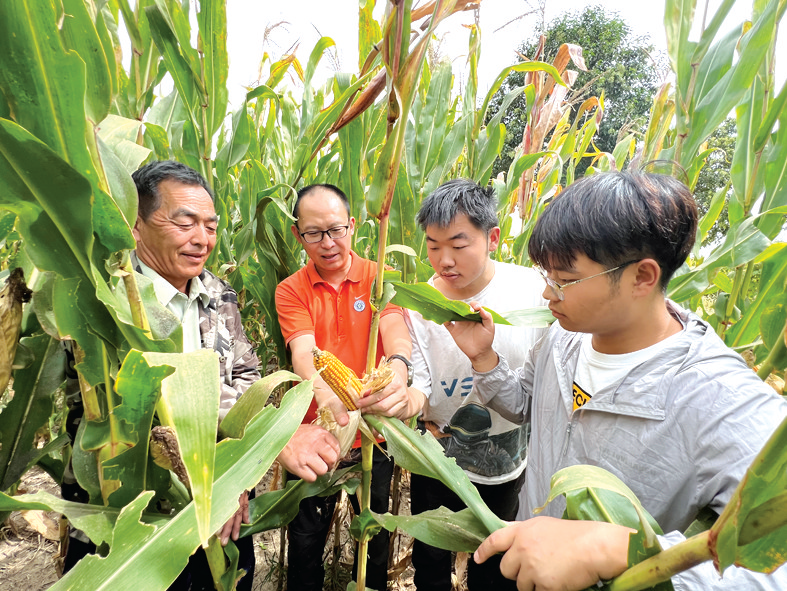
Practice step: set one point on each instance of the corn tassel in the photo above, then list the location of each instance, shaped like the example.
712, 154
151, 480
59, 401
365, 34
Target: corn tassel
342, 380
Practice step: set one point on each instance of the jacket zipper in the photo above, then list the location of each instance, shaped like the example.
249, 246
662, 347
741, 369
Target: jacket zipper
568, 437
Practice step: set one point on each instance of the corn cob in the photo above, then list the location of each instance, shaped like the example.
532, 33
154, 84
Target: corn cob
339, 377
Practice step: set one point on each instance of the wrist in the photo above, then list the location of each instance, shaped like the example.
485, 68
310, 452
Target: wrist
485, 361
405, 363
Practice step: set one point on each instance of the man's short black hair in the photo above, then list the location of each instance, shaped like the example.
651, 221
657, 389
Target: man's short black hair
304, 191
149, 177
455, 197
616, 217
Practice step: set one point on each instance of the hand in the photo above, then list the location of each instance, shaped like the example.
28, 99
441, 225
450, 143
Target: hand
546, 554
325, 397
310, 453
475, 339
232, 527
395, 400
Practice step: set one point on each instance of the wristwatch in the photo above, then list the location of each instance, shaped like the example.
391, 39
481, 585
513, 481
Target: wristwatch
407, 363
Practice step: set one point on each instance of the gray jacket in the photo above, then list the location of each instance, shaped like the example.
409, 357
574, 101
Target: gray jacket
679, 430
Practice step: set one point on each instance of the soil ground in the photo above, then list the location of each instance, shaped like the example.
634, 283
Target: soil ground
30, 549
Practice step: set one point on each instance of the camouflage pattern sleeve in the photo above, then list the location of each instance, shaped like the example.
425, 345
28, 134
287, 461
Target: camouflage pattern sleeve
221, 329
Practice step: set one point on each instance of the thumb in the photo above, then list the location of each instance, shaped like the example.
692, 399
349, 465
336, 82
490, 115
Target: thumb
499, 541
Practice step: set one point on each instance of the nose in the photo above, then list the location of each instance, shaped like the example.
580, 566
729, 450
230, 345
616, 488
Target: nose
446, 259
329, 242
550, 293
200, 234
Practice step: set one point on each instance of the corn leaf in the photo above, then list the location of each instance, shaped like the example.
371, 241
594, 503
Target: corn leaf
252, 402
736, 531
30, 407
277, 508
190, 405
150, 556
434, 306
441, 528
422, 454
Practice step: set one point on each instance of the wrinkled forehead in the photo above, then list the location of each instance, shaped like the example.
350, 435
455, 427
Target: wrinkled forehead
180, 197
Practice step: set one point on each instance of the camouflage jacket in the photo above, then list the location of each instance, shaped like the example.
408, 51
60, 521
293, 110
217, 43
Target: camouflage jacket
221, 329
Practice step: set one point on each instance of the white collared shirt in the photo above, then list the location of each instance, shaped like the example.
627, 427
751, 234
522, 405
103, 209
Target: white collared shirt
184, 307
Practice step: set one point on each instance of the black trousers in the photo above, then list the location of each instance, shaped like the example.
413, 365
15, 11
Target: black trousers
433, 565
309, 531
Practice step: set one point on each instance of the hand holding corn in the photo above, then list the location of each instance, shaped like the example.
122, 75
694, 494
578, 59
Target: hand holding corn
382, 392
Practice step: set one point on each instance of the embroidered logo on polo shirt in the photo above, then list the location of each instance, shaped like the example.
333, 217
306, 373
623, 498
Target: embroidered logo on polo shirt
359, 305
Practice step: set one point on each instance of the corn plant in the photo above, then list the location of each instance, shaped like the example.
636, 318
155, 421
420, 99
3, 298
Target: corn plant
74, 124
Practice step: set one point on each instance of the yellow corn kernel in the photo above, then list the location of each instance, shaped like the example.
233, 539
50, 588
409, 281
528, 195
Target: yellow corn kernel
339, 377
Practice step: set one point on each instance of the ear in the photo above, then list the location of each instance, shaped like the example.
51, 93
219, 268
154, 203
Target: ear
494, 238
351, 229
295, 233
647, 278
135, 229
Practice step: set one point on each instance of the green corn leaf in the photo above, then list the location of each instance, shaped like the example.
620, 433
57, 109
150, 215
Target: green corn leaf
190, 405
423, 455
151, 556
30, 407
45, 85
212, 23
80, 34
252, 402
772, 281
434, 306
277, 508
441, 528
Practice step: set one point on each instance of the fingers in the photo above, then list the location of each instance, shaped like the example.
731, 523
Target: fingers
244, 507
391, 401
310, 453
338, 409
232, 527
499, 541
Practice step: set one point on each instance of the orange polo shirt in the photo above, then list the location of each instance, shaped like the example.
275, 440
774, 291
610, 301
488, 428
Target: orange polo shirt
339, 320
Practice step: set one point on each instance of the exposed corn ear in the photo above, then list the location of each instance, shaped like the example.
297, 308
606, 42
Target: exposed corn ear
342, 380
12, 296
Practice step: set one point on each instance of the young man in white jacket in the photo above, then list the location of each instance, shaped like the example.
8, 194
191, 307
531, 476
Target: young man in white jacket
625, 380
461, 227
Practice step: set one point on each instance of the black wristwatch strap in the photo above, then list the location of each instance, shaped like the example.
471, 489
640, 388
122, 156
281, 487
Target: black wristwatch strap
407, 363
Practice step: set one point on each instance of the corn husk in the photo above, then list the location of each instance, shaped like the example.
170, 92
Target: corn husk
12, 296
346, 434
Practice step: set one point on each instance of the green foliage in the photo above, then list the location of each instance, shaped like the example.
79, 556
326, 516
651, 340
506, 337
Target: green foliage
388, 135
620, 67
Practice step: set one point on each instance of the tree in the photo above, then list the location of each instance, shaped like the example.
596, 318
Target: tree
619, 64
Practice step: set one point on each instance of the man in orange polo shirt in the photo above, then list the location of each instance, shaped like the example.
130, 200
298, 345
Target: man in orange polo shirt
326, 303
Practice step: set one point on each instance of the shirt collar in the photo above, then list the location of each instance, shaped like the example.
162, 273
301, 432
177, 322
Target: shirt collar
354, 275
166, 292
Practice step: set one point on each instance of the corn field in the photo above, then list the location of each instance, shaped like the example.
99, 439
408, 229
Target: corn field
75, 123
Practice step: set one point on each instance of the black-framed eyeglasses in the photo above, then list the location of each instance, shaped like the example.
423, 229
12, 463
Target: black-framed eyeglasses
557, 289
315, 236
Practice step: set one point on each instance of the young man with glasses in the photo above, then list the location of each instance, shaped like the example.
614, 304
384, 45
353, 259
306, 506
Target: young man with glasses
626, 380
326, 304
461, 228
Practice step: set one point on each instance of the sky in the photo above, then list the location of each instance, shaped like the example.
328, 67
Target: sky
302, 22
